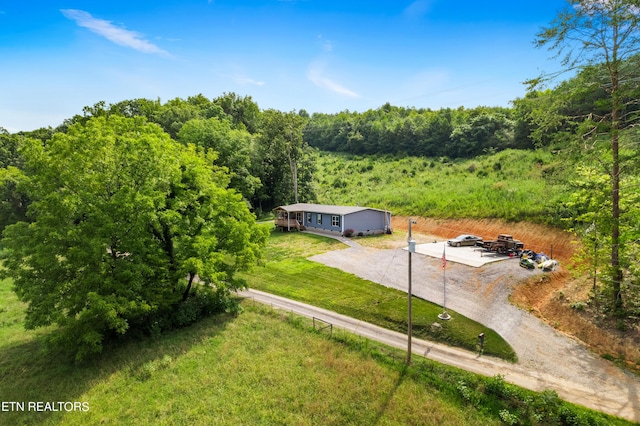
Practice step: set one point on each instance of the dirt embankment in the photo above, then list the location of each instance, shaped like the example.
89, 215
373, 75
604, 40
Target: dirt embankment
555, 243
552, 297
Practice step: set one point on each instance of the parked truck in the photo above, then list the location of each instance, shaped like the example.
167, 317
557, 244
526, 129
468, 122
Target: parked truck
504, 244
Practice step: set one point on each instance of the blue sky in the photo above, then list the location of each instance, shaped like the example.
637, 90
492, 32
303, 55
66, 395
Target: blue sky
319, 55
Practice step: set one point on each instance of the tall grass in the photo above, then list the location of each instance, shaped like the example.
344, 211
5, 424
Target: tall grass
508, 185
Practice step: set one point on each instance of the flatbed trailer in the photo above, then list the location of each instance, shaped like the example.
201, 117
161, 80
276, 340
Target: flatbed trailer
504, 244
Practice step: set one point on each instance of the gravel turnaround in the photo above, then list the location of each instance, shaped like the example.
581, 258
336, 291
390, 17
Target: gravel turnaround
482, 294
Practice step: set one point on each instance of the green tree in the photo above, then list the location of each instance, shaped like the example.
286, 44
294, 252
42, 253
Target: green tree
480, 133
173, 114
122, 220
13, 203
604, 37
242, 111
235, 148
282, 150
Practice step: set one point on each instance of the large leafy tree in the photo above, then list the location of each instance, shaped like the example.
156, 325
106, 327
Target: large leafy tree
235, 148
283, 154
243, 111
601, 38
122, 222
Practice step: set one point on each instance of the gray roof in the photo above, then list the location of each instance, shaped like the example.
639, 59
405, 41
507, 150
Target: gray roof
324, 208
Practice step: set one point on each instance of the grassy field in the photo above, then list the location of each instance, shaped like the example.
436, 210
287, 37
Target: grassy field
261, 367
507, 185
289, 274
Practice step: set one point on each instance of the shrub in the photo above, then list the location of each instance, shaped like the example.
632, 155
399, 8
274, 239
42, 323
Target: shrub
348, 233
578, 306
187, 312
339, 183
508, 418
497, 386
202, 302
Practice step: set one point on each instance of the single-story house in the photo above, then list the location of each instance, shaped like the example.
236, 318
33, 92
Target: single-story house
343, 220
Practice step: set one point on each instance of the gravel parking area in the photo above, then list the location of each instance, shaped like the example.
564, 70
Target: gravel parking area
470, 256
482, 294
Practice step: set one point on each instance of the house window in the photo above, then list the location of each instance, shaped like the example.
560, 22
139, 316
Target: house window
319, 218
308, 217
335, 221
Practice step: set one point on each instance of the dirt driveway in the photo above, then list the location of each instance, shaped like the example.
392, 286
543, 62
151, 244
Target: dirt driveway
482, 294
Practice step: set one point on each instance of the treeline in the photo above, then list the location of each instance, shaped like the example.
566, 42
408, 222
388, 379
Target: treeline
453, 133
263, 150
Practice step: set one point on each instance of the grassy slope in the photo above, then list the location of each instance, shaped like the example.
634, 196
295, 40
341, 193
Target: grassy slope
287, 273
262, 367
508, 185
253, 369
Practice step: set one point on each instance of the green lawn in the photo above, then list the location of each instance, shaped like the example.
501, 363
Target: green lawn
289, 274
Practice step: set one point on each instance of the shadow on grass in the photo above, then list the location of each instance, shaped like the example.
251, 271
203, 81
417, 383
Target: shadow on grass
30, 373
391, 395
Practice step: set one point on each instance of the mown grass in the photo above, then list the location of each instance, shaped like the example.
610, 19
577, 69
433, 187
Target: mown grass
261, 367
288, 273
507, 185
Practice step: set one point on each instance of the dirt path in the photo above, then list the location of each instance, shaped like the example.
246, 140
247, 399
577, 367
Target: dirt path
482, 294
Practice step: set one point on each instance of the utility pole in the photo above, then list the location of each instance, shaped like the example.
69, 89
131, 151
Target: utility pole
412, 249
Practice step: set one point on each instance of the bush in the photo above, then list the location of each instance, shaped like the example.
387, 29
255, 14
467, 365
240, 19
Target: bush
202, 302
577, 306
508, 418
187, 312
348, 233
497, 386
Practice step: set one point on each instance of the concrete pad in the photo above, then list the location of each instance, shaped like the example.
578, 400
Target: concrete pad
471, 256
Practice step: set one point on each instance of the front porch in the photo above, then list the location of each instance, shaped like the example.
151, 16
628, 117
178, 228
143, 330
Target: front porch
286, 224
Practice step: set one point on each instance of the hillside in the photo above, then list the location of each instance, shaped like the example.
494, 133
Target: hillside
507, 185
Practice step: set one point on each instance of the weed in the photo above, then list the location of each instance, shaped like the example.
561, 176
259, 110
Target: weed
508, 418
578, 306
496, 385
146, 371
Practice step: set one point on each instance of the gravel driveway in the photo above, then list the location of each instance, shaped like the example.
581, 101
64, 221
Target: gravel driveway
482, 294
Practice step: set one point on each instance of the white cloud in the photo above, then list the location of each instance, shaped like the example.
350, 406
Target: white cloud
106, 29
238, 74
243, 80
326, 45
315, 74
